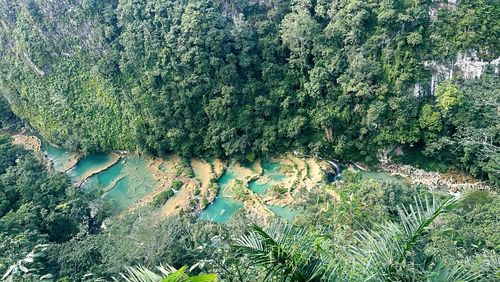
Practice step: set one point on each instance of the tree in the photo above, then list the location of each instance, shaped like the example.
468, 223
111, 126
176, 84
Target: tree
388, 253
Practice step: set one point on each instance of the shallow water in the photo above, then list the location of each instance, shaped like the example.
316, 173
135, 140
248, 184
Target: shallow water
59, 156
284, 212
379, 175
125, 183
272, 172
223, 208
88, 164
257, 187
271, 167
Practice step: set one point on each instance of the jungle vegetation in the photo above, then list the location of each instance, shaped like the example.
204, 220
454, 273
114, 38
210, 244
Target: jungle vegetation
242, 79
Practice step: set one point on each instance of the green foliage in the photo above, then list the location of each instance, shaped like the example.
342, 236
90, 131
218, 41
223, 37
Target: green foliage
168, 274
184, 169
430, 119
448, 96
283, 251
176, 184
278, 191
160, 199
7, 117
150, 241
384, 240
469, 234
36, 207
239, 190
390, 252
239, 79
470, 121
8, 154
28, 268
467, 27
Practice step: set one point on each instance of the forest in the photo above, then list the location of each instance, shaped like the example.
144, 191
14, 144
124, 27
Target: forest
243, 79
374, 231
357, 81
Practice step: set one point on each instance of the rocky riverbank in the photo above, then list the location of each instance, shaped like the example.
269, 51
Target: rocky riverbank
452, 181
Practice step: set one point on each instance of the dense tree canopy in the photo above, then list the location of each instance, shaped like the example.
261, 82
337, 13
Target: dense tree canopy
36, 207
246, 78
349, 79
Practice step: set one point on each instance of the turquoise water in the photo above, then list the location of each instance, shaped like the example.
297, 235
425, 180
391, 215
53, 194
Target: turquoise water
284, 212
87, 164
257, 187
223, 208
270, 166
225, 180
277, 177
106, 178
383, 176
272, 171
59, 156
124, 183
121, 196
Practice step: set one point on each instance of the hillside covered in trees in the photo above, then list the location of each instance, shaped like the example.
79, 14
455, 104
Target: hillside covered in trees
231, 78
208, 92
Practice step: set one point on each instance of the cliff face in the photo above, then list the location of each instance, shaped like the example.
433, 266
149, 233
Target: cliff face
466, 66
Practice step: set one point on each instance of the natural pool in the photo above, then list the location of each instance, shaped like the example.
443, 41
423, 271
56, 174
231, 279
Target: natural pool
57, 155
272, 176
88, 164
123, 184
223, 208
259, 187
272, 170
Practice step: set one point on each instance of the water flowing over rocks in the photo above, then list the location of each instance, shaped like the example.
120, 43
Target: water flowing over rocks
434, 180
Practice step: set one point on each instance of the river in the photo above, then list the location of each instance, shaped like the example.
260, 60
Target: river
126, 180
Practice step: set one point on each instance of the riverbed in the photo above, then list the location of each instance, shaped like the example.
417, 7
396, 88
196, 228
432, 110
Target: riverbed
128, 181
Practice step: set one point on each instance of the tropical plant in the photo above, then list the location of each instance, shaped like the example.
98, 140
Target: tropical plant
28, 268
167, 274
287, 252
387, 253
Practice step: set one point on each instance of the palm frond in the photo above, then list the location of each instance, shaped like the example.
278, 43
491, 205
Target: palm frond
457, 273
383, 254
167, 274
282, 250
140, 274
417, 218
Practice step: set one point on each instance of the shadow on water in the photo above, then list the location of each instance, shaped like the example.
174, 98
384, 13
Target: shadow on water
59, 156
